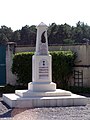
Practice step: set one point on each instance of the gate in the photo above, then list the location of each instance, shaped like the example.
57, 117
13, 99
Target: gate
2, 65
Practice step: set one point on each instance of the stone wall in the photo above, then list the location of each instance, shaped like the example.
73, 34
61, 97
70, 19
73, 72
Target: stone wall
82, 61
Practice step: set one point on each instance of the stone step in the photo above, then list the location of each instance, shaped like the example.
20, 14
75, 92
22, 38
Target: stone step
16, 101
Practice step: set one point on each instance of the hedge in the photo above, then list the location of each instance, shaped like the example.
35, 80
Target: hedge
62, 67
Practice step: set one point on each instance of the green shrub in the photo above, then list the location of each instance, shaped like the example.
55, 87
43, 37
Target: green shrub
10, 89
22, 67
62, 67
79, 90
7, 89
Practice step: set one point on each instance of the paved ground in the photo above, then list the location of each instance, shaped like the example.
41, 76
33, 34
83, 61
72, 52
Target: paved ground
56, 113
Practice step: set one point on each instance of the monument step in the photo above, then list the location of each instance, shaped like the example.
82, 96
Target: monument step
16, 101
29, 93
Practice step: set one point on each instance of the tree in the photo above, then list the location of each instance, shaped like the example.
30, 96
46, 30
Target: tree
57, 34
77, 33
16, 36
33, 34
6, 32
3, 39
25, 34
28, 35
51, 33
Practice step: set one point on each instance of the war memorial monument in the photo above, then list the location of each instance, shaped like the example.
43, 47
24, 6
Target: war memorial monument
42, 91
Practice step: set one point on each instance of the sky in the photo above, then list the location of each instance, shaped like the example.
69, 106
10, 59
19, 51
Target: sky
18, 13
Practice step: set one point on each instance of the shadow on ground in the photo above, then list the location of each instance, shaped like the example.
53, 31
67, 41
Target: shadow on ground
5, 110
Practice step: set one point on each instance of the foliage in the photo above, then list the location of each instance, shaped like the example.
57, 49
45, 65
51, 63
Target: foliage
7, 89
68, 41
5, 34
16, 36
57, 34
62, 65
77, 90
27, 35
63, 62
22, 67
10, 89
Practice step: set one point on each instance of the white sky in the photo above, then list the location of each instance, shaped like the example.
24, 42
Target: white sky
18, 13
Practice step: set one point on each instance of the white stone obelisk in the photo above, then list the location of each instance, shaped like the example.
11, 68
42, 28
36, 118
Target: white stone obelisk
42, 63
41, 40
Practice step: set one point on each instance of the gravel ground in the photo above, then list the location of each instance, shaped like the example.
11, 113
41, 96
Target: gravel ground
5, 111
56, 113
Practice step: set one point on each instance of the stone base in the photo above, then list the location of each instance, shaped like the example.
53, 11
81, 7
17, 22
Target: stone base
28, 99
41, 86
30, 94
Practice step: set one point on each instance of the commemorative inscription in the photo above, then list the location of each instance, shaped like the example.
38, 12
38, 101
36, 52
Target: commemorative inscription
43, 69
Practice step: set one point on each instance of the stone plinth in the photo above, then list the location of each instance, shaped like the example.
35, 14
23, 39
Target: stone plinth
42, 87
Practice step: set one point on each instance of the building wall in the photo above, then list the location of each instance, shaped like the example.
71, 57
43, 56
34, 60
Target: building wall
82, 61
